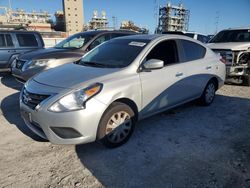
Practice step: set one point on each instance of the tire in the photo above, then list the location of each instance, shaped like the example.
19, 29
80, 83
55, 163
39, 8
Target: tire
246, 80
208, 94
116, 126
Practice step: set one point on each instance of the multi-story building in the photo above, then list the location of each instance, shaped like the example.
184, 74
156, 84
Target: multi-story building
73, 14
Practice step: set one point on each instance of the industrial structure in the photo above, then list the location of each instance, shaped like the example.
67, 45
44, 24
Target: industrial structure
129, 25
98, 22
73, 16
173, 18
17, 19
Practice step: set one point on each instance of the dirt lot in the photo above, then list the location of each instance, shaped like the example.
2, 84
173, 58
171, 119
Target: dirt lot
190, 146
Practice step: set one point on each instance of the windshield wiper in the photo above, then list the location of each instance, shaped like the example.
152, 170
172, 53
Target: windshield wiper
92, 64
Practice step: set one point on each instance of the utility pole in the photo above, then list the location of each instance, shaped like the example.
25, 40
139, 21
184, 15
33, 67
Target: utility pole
217, 19
114, 19
10, 5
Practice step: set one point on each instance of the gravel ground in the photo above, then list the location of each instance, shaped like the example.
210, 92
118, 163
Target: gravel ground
190, 146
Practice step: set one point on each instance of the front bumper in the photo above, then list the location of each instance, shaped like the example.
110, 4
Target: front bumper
85, 122
23, 76
239, 70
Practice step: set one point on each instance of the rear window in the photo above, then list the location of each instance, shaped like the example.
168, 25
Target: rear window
9, 40
27, 40
6, 40
2, 41
192, 51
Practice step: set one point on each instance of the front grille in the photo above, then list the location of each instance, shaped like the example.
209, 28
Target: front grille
32, 99
226, 54
20, 63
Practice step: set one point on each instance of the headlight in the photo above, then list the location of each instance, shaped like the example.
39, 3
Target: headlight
76, 100
37, 63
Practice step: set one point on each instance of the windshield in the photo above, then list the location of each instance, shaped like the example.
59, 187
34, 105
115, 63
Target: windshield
116, 53
74, 42
232, 36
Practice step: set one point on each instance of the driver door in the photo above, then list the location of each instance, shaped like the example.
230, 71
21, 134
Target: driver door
163, 88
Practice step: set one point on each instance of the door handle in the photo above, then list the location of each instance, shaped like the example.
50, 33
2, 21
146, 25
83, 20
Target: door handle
11, 50
179, 74
209, 67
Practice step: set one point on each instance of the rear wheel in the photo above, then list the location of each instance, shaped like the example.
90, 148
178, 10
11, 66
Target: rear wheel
116, 125
208, 94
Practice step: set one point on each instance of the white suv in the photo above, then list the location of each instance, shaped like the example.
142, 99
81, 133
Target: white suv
234, 47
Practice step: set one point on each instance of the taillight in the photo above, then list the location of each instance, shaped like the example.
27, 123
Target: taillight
223, 60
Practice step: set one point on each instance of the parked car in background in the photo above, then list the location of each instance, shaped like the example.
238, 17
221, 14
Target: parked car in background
14, 43
101, 96
69, 50
234, 46
198, 36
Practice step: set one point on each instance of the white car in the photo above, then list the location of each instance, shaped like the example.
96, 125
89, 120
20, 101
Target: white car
101, 96
234, 46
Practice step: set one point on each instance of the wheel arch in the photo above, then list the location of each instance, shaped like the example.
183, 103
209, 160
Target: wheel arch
130, 103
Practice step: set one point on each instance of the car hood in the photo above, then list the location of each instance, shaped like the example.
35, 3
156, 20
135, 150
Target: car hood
71, 75
51, 53
234, 46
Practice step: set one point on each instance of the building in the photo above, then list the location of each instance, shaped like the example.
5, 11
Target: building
98, 22
20, 19
173, 18
73, 16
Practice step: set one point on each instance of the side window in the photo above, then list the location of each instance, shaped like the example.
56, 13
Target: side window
99, 41
27, 40
2, 41
202, 38
115, 35
9, 40
165, 51
192, 51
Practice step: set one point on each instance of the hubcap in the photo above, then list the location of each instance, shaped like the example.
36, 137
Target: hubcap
210, 92
118, 127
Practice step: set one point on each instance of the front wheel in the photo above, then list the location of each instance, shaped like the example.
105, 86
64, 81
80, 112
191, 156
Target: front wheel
116, 125
208, 94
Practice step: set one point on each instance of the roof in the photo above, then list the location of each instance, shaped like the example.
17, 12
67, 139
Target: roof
142, 37
17, 31
238, 28
155, 36
96, 32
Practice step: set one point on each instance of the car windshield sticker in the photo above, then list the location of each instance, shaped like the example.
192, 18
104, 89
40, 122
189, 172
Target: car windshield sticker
140, 44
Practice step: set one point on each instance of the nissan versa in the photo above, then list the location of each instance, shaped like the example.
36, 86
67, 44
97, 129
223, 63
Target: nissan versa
101, 96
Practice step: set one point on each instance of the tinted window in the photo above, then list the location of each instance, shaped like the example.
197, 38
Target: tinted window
192, 51
2, 41
9, 40
100, 40
117, 53
202, 38
26, 40
191, 35
165, 51
114, 35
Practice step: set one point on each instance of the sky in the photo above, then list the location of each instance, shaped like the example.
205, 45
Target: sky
203, 13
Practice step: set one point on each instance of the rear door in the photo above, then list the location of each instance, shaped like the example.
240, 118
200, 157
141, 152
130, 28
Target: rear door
27, 42
7, 49
199, 69
163, 88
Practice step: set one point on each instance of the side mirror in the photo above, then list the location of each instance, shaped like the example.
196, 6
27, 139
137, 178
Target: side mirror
153, 64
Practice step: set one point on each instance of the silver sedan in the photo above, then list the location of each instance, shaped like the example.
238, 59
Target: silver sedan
103, 95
